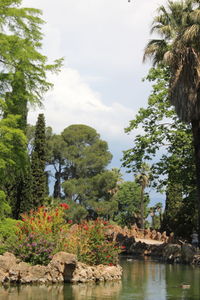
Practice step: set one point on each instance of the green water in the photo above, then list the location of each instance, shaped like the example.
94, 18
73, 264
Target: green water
142, 280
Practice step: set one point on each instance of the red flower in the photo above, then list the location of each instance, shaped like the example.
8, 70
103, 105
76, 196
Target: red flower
85, 227
64, 205
49, 218
70, 222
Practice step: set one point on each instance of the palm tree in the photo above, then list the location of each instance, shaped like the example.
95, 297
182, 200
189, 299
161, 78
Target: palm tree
152, 212
142, 178
178, 25
158, 208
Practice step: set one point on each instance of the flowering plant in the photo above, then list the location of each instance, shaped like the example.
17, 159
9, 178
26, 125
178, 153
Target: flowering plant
38, 234
89, 242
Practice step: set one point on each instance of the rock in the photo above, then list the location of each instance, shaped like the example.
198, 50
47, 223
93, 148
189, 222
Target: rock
147, 233
64, 263
85, 273
164, 237
3, 276
172, 253
153, 234
62, 268
196, 260
125, 241
187, 253
158, 236
7, 260
19, 272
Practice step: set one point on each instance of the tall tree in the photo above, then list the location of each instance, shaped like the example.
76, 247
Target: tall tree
23, 78
178, 26
12, 157
38, 162
57, 157
166, 143
142, 178
129, 204
86, 180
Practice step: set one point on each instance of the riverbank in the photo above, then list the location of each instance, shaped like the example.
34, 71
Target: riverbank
150, 243
141, 279
63, 267
166, 252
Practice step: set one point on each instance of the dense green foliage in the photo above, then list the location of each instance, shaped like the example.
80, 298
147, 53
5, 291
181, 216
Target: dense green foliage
128, 198
23, 81
166, 142
44, 232
177, 25
80, 158
38, 162
8, 231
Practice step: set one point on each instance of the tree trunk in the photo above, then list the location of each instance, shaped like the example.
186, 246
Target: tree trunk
57, 186
142, 207
196, 141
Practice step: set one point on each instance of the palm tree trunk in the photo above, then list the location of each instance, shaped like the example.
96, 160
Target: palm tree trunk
196, 141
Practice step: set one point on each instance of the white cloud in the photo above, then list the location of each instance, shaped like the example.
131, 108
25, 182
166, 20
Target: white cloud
102, 42
72, 101
99, 33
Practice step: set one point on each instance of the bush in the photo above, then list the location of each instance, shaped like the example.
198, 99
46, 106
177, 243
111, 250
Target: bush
89, 242
76, 213
8, 231
44, 232
38, 235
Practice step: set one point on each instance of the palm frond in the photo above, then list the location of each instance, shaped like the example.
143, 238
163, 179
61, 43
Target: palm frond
166, 31
191, 34
185, 85
195, 16
155, 50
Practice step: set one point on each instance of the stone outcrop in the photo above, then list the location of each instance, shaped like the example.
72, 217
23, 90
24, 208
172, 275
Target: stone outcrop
171, 253
196, 260
115, 231
85, 273
63, 267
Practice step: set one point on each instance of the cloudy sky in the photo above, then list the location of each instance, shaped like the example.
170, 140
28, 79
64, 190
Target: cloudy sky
100, 84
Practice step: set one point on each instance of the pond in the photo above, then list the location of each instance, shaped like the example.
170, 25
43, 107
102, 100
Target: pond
142, 280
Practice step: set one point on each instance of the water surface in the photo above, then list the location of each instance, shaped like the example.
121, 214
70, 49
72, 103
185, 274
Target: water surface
142, 280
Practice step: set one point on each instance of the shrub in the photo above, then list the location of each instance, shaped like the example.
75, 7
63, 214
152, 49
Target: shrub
8, 231
43, 233
89, 242
38, 236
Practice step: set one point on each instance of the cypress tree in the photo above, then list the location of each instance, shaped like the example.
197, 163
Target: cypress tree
38, 163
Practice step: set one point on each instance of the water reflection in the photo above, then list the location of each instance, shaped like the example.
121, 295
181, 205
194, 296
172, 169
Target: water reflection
26, 292
142, 280
110, 290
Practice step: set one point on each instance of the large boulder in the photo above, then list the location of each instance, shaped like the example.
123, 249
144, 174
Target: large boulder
125, 242
172, 253
63, 263
85, 273
7, 260
187, 253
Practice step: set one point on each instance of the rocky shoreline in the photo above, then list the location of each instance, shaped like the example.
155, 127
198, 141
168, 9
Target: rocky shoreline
63, 267
167, 252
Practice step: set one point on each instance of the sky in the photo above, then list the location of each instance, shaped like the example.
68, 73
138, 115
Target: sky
100, 84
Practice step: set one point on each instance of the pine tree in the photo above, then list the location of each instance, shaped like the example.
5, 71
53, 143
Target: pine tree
38, 163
